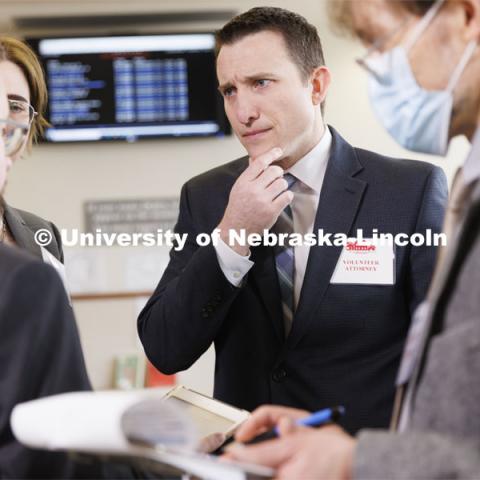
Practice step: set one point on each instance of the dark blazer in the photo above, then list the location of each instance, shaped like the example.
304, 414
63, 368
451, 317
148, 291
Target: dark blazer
40, 355
23, 226
346, 340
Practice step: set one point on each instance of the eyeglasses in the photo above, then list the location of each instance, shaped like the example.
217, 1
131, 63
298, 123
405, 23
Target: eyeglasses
14, 136
381, 44
21, 112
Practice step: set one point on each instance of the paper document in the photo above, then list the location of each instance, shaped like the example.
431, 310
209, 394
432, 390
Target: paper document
137, 427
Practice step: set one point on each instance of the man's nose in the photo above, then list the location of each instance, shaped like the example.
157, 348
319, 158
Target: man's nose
246, 109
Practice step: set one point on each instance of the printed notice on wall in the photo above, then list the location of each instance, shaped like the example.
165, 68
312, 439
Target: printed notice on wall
131, 216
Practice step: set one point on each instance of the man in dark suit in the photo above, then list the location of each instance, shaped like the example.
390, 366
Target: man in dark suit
286, 328
436, 427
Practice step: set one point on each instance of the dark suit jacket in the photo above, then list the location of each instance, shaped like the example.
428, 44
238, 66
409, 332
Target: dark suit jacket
346, 341
23, 226
40, 355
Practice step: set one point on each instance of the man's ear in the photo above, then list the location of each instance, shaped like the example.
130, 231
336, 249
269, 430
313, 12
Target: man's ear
320, 81
471, 16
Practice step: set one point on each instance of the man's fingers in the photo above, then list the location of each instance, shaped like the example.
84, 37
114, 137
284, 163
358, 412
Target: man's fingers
286, 426
270, 453
294, 469
265, 418
279, 186
270, 175
211, 442
283, 200
260, 164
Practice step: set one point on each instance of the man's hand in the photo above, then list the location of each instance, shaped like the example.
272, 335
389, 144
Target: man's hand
301, 452
256, 200
265, 418
210, 443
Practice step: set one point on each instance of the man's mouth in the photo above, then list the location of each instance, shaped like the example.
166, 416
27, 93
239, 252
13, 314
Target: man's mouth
255, 133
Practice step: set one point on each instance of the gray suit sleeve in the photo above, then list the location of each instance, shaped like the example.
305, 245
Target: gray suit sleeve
419, 455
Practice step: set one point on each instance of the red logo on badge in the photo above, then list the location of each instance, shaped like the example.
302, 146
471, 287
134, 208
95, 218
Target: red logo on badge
356, 247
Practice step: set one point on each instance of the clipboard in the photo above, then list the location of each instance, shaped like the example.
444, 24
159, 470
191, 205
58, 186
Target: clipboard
210, 416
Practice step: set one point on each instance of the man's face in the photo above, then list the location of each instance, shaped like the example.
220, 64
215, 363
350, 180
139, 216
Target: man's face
266, 99
5, 162
435, 54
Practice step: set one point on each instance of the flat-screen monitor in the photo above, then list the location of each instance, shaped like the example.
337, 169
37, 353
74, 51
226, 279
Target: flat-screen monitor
130, 87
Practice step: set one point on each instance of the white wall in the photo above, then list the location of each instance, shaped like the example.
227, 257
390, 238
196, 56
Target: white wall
56, 180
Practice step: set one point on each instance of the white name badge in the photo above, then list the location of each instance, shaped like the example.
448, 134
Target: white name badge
365, 263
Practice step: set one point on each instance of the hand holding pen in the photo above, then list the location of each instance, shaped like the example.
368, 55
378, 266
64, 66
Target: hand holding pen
316, 419
262, 425
299, 451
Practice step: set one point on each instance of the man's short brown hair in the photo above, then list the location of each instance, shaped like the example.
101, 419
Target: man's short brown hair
301, 37
340, 12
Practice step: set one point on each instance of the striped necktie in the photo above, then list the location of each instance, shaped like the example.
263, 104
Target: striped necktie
285, 262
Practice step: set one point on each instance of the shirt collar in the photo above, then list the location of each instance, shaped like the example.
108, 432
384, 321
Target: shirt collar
471, 167
310, 169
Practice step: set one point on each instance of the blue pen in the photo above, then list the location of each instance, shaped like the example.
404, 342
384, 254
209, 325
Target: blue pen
316, 419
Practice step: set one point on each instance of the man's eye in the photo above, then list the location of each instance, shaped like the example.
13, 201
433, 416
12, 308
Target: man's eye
262, 83
228, 92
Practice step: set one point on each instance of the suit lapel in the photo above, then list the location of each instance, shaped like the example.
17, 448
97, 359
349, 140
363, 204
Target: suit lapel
22, 235
338, 206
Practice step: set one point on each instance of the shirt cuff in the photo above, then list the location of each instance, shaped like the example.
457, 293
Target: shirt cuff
234, 266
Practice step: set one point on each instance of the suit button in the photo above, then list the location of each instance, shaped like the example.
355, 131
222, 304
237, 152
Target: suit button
278, 375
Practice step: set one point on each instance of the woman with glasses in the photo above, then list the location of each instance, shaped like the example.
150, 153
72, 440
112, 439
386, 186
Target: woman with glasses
27, 99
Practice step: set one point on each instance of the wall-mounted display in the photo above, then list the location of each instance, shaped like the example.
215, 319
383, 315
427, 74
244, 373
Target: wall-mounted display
131, 87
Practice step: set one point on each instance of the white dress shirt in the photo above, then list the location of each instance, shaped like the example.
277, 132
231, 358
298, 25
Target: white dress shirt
310, 172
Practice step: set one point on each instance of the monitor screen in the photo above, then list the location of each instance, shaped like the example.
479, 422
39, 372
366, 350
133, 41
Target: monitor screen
131, 87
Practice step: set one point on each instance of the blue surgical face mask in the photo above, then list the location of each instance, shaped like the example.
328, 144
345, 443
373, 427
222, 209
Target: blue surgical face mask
416, 118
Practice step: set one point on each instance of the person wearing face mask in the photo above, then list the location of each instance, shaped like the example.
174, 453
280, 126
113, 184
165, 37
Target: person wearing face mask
27, 99
425, 70
416, 117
